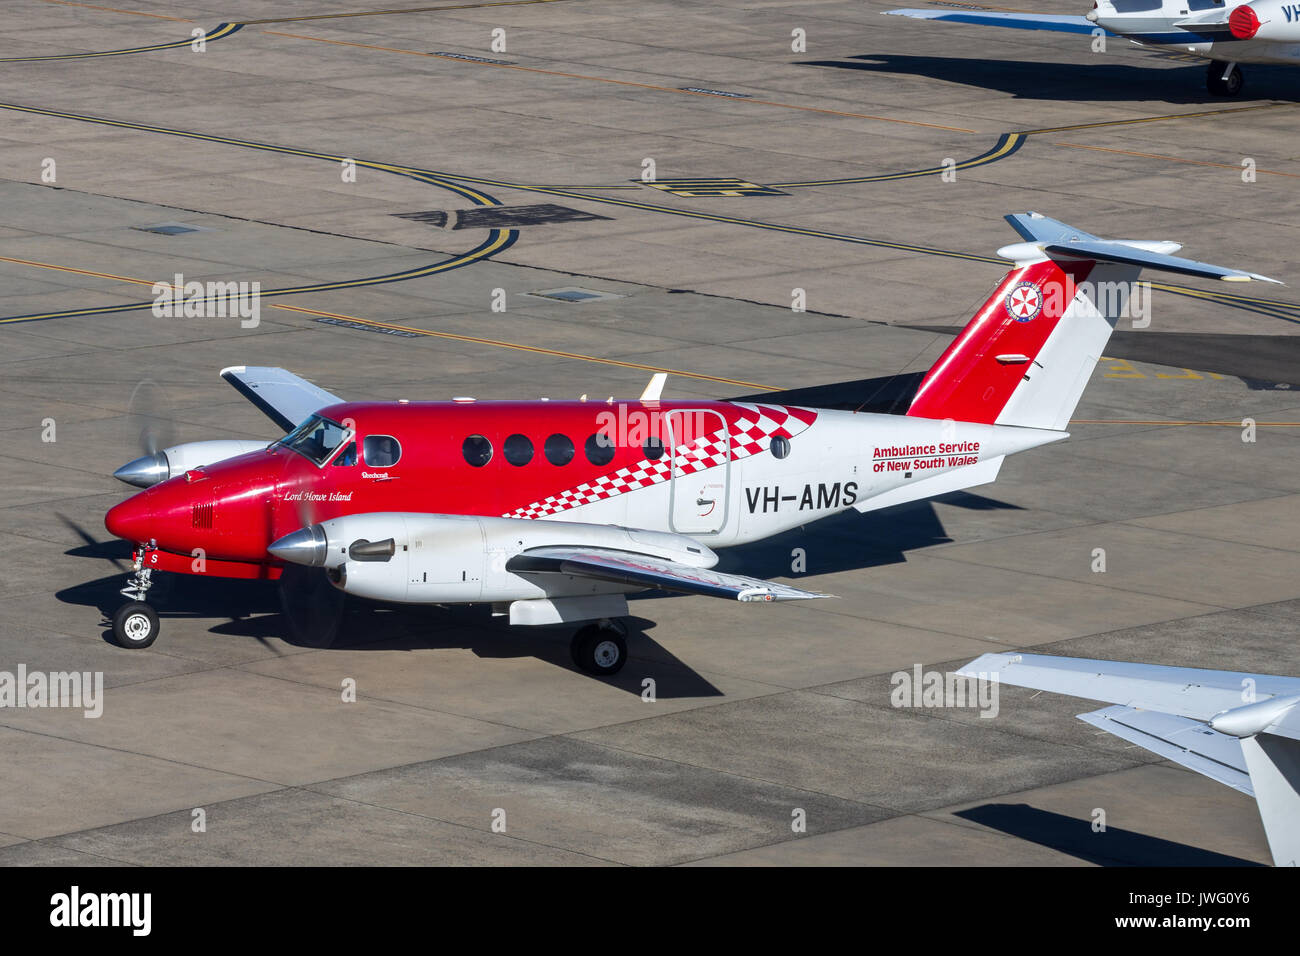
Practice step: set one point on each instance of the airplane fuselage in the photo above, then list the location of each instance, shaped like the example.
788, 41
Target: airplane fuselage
721, 472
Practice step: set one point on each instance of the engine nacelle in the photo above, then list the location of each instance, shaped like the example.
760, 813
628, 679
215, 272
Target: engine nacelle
1266, 20
149, 470
416, 558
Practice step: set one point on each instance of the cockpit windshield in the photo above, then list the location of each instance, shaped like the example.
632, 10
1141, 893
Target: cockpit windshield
316, 439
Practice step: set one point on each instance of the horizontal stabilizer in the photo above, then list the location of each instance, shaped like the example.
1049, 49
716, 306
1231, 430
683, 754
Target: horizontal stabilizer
1057, 239
641, 570
1112, 250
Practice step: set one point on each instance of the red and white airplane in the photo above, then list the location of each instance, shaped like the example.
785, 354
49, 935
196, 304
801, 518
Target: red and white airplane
553, 511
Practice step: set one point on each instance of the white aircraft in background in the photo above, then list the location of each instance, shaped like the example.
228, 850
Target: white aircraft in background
1239, 729
1226, 34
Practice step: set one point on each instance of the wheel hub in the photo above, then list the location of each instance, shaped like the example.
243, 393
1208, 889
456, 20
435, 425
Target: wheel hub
136, 626
606, 653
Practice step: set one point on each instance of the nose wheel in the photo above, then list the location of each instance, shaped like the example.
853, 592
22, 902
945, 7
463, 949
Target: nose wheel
600, 648
135, 624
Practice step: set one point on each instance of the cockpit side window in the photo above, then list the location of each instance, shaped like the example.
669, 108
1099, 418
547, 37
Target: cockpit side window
316, 439
381, 451
348, 456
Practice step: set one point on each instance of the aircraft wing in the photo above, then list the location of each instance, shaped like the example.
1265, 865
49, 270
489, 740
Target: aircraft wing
1240, 729
1055, 23
282, 396
1183, 691
625, 567
1214, 21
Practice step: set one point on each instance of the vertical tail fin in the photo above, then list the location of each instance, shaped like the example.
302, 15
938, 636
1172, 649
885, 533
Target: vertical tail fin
1026, 356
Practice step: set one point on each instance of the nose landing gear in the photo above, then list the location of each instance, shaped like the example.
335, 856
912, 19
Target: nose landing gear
600, 648
135, 624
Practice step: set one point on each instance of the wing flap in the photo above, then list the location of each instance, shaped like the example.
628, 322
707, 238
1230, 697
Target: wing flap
283, 397
1180, 739
641, 570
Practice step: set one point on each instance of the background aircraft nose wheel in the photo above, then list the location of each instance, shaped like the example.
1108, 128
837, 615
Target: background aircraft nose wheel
1222, 80
600, 649
135, 625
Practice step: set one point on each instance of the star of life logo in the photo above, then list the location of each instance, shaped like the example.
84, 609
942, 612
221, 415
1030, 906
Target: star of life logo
1024, 301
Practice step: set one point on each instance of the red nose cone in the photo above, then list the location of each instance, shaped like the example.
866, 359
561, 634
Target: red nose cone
1243, 23
128, 520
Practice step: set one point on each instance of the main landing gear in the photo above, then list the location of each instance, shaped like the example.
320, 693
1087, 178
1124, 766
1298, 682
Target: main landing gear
1224, 79
135, 624
600, 648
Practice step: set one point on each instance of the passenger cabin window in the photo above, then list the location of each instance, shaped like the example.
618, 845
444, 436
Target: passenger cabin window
558, 449
381, 451
518, 450
599, 449
316, 439
348, 456
780, 446
653, 448
477, 450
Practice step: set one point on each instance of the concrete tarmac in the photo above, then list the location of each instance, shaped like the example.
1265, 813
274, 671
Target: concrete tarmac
295, 153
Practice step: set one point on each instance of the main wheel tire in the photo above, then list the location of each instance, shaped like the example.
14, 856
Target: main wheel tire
1219, 85
599, 650
1234, 83
135, 625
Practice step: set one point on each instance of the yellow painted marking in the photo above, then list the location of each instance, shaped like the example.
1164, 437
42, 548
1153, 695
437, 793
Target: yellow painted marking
81, 272
522, 348
1157, 119
130, 13
1117, 421
1174, 159
404, 328
1012, 140
1122, 368
224, 31
385, 13
603, 79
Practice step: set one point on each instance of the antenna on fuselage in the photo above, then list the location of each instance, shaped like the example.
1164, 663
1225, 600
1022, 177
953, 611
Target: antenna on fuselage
655, 387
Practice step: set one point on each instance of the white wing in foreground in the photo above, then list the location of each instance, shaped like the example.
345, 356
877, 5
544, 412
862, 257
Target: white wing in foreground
1240, 729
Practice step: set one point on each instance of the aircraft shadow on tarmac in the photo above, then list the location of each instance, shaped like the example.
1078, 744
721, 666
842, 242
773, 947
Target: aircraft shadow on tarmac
851, 541
307, 612
255, 610
1113, 847
1104, 81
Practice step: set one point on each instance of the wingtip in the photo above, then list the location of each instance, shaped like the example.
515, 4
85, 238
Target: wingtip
1250, 277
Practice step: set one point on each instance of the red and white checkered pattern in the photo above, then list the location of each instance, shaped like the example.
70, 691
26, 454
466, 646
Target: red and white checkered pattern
748, 434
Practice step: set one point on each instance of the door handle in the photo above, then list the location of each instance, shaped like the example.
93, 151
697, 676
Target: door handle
705, 501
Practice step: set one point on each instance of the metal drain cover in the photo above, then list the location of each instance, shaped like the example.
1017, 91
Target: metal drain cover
574, 294
501, 217
169, 228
